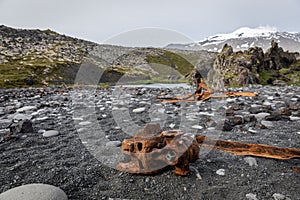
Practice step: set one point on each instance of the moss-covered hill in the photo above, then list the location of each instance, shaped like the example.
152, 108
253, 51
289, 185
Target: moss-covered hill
43, 57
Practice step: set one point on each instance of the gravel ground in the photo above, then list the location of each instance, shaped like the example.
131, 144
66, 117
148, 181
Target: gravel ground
69, 160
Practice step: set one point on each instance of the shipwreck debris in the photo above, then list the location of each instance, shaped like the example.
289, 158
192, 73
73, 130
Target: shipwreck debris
152, 150
203, 93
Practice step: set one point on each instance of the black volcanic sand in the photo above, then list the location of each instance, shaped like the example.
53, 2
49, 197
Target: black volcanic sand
65, 162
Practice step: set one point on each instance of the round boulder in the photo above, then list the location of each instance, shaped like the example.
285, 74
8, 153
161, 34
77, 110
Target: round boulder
34, 192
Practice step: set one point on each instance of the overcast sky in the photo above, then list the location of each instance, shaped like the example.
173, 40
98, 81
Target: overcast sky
99, 20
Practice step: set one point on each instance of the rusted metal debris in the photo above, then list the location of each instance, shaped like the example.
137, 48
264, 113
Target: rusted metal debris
152, 150
203, 93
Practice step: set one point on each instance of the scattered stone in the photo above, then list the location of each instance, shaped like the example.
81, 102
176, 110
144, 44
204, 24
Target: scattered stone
294, 118
139, 110
22, 117
237, 120
275, 116
172, 125
227, 126
26, 108
251, 196
42, 118
85, 123
251, 161
197, 127
34, 192
278, 196
261, 116
50, 133
249, 118
24, 126
77, 118
251, 130
41, 131
114, 144
221, 172
267, 124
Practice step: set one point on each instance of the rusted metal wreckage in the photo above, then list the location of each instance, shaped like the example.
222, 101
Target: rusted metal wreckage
203, 93
152, 150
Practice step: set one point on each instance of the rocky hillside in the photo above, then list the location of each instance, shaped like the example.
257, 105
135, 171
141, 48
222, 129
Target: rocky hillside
244, 38
43, 57
253, 66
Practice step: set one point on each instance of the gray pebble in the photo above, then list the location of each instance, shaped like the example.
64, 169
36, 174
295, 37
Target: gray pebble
50, 133
113, 144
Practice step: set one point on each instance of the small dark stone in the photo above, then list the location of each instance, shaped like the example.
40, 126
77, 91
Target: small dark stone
237, 120
227, 126
276, 116
24, 126
28, 81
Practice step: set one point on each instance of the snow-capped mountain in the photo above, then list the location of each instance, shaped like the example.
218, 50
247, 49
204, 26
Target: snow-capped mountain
245, 37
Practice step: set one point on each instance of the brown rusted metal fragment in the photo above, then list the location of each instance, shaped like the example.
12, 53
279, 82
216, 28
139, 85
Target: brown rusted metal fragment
296, 170
244, 149
203, 93
152, 150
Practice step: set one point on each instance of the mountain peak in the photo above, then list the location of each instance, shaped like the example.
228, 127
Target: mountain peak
245, 32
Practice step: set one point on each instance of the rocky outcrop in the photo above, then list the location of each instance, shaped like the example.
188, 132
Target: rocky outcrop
251, 66
276, 58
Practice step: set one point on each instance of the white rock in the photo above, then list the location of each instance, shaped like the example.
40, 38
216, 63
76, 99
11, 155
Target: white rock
267, 103
206, 114
251, 130
139, 110
42, 118
113, 144
197, 127
22, 117
251, 161
294, 118
50, 133
298, 133
221, 172
41, 131
231, 100
261, 115
85, 123
34, 192
267, 124
278, 196
251, 196
26, 108
172, 125
77, 118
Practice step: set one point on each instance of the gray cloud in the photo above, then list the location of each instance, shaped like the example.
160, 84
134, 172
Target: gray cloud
98, 20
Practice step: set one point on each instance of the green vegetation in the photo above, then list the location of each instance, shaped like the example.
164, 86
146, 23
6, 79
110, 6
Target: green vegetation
30, 70
265, 76
172, 60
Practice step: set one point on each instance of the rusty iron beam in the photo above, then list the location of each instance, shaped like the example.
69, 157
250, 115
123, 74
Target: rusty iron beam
246, 149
